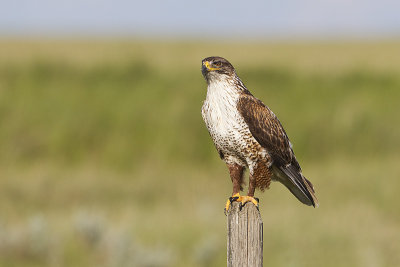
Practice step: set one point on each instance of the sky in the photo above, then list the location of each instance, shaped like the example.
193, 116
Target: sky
204, 18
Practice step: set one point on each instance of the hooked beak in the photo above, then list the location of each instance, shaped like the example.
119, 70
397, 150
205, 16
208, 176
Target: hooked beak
207, 66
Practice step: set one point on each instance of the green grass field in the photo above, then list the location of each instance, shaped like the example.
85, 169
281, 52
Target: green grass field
105, 159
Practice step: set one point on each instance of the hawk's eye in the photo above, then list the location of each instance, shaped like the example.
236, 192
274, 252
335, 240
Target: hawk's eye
218, 64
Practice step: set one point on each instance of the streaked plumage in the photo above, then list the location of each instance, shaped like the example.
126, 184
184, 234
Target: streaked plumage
247, 134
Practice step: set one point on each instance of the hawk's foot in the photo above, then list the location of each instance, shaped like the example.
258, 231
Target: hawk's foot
235, 197
242, 199
245, 199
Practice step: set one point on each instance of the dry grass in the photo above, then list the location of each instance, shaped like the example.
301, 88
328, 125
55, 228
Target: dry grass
105, 160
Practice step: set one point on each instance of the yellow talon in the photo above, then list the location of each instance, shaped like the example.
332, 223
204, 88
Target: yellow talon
235, 197
242, 199
246, 199
227, 205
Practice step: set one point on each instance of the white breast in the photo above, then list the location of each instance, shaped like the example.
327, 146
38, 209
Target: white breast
221, 115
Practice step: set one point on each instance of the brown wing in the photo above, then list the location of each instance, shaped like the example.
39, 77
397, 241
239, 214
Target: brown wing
269, 133
266, 129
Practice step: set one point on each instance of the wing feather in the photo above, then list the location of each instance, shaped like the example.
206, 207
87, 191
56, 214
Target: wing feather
269, 133
266, 129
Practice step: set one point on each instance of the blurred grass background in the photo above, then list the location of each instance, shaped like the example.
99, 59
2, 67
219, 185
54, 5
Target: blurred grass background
105, 159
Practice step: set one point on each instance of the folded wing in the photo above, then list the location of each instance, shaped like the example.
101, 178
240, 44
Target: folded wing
269, 133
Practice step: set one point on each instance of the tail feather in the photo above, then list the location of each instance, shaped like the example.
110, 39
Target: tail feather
300, 187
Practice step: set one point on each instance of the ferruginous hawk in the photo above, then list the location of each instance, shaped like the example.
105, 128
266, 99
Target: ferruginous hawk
247, 134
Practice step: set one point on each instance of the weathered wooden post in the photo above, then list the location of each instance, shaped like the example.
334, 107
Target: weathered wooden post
245, 236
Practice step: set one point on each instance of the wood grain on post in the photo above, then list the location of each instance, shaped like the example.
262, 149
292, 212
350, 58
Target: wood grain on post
245, 236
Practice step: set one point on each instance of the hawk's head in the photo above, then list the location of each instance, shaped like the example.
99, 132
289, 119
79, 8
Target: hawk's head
215, 68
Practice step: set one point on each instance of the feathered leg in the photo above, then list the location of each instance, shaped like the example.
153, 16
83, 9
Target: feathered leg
236, 174
260, 177
250, 194
252, 185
